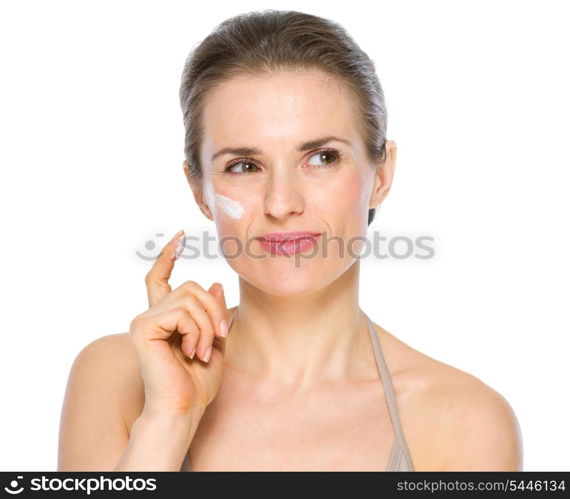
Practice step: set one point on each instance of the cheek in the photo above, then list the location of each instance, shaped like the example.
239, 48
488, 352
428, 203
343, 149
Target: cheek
345, 199
232, 217
345, 209
229, 207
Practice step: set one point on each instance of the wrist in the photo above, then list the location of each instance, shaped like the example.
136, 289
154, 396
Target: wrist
176, 418
159, 440
169, 433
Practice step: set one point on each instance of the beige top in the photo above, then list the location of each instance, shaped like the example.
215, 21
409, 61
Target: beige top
400, 458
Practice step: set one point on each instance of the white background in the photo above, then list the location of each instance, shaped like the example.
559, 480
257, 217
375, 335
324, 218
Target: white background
91, 154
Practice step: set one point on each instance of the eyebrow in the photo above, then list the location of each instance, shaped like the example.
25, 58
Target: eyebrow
305, 146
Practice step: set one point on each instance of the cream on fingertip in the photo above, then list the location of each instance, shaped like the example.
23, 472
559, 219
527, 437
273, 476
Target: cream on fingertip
180, 246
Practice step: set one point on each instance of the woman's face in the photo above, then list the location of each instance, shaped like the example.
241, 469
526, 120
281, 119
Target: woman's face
282, 182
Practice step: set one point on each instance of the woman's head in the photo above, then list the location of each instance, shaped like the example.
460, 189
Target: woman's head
267, 86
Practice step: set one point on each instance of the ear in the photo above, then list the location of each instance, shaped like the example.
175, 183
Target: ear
197, 190
384, 175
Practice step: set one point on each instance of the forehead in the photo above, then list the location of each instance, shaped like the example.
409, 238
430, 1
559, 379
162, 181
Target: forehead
277, 110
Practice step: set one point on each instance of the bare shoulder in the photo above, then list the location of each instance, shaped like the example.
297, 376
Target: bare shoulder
114, 351
455, 421
477, 426
118, 360
111, 347
108, 366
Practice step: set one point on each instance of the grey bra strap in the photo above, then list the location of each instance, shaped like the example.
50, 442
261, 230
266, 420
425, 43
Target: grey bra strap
390, 397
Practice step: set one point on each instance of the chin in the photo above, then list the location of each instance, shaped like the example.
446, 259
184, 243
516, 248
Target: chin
285, 276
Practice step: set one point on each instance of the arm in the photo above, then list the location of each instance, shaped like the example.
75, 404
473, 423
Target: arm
104, 386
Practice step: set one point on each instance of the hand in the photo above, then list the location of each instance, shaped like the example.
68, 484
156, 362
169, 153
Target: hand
180, 339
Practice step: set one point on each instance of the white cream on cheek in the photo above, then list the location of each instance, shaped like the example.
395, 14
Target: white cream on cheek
229, 206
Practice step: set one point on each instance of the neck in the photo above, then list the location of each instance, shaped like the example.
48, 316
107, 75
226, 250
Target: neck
294, 342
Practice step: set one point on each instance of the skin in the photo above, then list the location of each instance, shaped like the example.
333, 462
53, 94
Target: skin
300, 389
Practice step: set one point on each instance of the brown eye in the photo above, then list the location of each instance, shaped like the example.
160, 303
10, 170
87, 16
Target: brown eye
326, 156
237, 164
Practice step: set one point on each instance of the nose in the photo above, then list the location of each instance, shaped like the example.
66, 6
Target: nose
283, 194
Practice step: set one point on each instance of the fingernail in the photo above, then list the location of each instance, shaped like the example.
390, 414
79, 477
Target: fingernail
193, 352
207, 354
224, 328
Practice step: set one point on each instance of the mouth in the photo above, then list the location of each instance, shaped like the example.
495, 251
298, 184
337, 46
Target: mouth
287, 236
288, 243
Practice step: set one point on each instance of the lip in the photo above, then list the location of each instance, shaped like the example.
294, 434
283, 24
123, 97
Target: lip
288, 236
288, 243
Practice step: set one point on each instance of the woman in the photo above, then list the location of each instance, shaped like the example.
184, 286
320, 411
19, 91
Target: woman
285, 133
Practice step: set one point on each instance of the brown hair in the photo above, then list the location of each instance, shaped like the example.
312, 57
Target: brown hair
269, 41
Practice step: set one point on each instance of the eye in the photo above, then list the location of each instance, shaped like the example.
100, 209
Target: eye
235, 164
329, 156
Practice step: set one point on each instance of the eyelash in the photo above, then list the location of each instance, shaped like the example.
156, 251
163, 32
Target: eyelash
246, 160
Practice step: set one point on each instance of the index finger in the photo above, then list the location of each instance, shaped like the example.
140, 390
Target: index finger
156, 279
